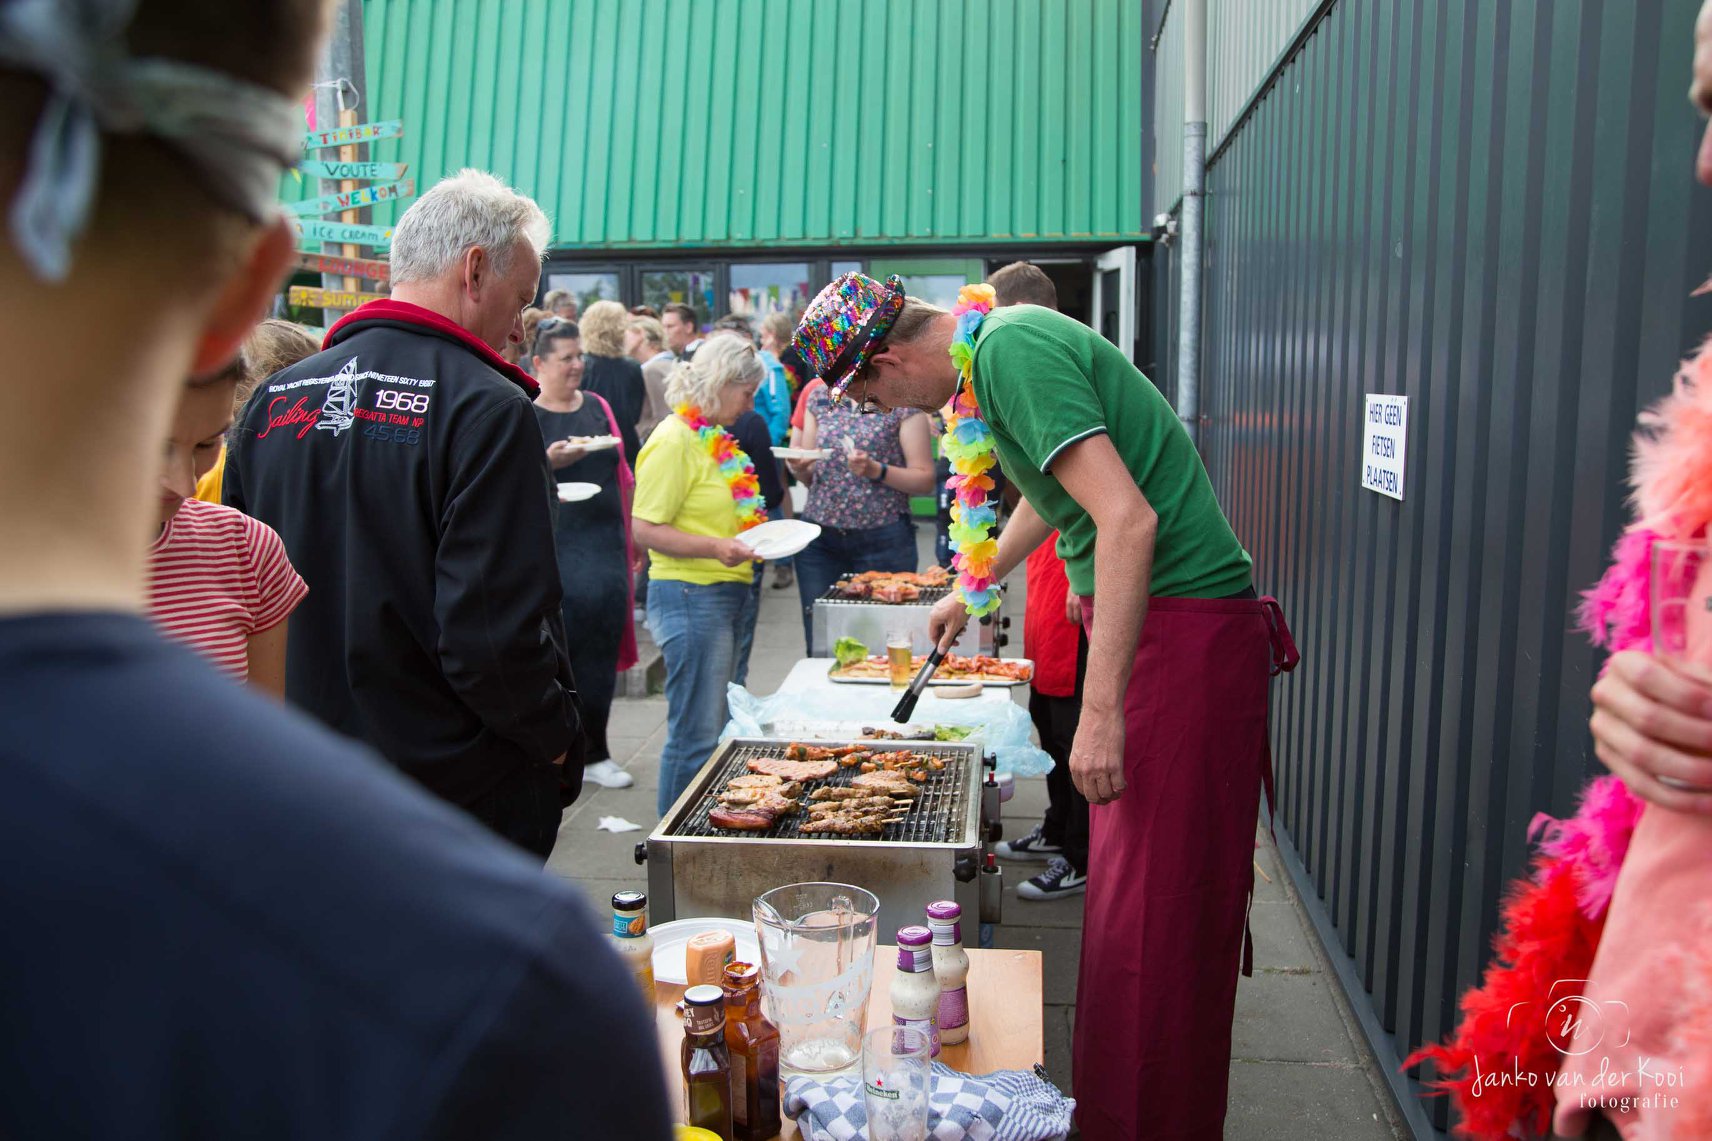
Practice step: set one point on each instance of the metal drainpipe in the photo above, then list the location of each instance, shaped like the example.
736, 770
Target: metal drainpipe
1190, 237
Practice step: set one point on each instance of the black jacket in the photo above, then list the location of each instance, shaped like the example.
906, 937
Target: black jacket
619, 381
403, 468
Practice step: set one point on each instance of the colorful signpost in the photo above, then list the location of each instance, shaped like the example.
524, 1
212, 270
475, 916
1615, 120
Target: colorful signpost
344, 233
374, 171
355, 133
315, 230
345, 267
353, 199
330, 298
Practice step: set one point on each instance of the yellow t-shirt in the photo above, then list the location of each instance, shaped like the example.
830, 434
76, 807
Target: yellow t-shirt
209, 486
679, 485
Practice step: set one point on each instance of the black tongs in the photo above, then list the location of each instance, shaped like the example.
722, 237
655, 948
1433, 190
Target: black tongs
906, 703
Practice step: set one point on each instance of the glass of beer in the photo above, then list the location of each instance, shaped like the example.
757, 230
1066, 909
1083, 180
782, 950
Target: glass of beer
899, 658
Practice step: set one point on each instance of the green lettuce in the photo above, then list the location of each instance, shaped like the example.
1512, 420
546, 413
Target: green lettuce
849, 651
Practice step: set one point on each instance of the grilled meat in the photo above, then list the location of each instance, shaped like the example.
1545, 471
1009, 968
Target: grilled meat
757, 780
742, 819
758, 800
794, 770
860, 805
842, 825
891, 783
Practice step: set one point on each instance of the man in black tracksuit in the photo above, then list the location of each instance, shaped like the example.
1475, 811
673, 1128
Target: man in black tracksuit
403, 467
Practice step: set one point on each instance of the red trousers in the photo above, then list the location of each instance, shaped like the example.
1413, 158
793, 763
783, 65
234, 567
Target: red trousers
1170, 872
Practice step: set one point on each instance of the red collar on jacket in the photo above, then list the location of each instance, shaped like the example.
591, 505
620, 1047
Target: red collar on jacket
404, 312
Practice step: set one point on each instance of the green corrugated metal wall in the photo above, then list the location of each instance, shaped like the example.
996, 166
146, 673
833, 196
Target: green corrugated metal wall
732, 123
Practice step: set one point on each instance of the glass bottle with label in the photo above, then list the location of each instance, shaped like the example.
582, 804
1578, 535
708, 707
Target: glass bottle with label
915, 991
753, 1044
631, 939
706, 1062
951, 969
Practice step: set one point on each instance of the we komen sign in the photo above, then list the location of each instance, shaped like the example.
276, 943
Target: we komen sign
1384, 444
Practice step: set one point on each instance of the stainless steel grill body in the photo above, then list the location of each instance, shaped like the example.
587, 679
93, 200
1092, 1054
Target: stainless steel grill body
695, 869
869, 622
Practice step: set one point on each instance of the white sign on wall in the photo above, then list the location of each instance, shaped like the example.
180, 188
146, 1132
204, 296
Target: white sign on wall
1384, 439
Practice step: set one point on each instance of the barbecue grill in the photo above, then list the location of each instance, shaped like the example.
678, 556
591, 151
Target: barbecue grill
695, 869
869, 621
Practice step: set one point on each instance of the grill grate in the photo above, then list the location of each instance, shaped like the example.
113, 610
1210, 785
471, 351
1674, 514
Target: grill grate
936, 817
929, 595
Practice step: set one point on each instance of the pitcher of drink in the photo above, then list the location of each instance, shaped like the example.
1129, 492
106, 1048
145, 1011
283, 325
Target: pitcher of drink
817, 969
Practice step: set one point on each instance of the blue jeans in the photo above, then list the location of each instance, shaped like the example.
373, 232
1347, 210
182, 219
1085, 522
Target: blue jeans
839, 551
696, 627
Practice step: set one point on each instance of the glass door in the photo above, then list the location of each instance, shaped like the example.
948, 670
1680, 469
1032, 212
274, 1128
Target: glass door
1114, 298
934, 280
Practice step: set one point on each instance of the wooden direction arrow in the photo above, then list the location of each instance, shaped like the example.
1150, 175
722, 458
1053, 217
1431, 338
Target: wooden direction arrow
345, 267
360, 133
351, 200
314, 230
330, 298
373, 171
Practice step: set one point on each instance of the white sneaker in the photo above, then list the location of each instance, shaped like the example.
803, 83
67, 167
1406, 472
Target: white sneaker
607, 774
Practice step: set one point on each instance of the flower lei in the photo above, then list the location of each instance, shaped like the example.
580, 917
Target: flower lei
969, 444
734, 466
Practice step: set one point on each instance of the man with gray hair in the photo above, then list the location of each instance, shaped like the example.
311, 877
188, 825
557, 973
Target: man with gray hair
402, 465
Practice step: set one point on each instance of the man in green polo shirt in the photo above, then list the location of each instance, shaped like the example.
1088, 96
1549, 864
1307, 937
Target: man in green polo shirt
1171, 749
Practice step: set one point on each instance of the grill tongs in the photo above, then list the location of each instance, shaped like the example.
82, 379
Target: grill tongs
906, 703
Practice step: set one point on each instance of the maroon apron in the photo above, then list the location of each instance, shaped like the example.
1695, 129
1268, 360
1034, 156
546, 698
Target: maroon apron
1171, 869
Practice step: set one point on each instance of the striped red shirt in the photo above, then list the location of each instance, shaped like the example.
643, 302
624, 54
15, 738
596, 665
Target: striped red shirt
216, 576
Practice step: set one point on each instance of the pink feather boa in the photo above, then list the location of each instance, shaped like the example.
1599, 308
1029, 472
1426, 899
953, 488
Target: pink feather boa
1671, 474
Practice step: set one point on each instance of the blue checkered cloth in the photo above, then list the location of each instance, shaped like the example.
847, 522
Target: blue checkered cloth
1006, 1105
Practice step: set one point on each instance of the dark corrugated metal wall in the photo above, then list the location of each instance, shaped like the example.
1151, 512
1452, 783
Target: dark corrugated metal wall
1488, 207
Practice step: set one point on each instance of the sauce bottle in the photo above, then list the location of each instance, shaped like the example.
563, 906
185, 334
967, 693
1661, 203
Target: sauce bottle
753, 1044
631, 939
706, 1062
915, 992
951, 969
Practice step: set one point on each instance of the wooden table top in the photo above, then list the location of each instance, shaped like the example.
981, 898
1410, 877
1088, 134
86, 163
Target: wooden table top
1006, 1019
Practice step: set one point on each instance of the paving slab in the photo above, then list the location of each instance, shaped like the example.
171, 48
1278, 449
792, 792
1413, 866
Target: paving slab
1271, 1100
1289, 1018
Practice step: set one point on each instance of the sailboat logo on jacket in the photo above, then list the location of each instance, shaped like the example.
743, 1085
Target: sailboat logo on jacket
338, 411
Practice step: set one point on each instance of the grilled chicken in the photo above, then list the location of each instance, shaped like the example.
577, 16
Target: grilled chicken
843, 825
863, 804
892, 783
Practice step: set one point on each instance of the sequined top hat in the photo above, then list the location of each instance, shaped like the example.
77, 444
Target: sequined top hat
844, 325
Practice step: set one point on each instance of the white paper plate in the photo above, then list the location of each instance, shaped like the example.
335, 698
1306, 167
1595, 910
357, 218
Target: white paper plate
671, 938
594, 443
803, 453
779, 538
577, 492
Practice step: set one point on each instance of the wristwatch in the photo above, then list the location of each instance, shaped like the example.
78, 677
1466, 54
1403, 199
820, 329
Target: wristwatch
884, 468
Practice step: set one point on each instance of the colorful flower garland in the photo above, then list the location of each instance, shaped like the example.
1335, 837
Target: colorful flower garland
734, 466
969, 444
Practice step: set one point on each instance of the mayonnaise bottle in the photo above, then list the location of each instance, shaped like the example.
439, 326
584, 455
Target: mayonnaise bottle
951, 970
915, 991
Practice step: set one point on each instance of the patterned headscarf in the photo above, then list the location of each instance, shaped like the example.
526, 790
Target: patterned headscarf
237, 136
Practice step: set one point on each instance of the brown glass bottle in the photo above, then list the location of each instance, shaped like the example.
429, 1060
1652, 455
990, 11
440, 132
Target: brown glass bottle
753, 1043
706, 1062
